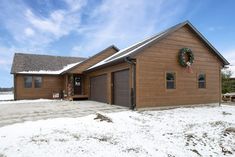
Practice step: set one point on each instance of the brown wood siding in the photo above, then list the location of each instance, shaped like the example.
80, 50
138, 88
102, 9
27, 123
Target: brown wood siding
50, 84
108, 71
162, 57
92, 61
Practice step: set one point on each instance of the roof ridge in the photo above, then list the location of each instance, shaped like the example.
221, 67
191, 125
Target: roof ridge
46, 55
100, 52
150, 38
137, 47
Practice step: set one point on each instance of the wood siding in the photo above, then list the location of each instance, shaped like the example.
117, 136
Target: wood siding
162, 57
95, 59
50, 84
108, 71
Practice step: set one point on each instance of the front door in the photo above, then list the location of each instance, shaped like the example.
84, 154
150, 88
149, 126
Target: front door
77, 85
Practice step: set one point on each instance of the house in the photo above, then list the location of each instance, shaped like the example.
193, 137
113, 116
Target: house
175, 67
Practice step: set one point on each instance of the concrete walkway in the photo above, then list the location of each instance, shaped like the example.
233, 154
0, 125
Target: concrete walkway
31, 111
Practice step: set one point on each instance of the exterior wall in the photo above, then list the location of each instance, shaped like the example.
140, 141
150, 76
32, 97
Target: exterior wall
91, 61
50, 84
162, 57
108, 71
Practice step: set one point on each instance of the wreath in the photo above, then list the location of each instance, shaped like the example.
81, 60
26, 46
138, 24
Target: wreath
182, 57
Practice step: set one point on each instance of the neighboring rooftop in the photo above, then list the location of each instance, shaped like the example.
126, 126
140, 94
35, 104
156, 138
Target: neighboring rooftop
42, 64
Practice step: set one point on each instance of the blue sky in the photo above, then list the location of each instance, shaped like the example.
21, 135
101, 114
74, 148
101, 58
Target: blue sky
83, 28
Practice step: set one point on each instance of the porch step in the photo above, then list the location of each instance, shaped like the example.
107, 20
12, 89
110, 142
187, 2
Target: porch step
77, 97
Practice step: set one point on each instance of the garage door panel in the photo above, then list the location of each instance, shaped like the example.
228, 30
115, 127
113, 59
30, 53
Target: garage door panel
98, 88
121, 88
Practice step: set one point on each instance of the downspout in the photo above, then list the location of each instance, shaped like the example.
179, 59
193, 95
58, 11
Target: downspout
14, 78
131, 61
220, 86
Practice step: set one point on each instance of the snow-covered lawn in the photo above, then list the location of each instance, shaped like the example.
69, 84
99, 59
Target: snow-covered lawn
24, 101
6, 96
182, 132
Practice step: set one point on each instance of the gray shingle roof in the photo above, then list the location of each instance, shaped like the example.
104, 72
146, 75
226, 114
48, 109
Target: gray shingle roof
35, 62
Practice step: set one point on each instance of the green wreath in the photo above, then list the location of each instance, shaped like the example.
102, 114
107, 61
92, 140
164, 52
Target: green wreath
182, 58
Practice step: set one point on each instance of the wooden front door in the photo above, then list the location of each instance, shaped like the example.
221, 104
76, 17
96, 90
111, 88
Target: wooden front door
77, 85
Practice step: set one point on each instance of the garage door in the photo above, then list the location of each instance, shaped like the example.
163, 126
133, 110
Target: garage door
121, 88
98, 88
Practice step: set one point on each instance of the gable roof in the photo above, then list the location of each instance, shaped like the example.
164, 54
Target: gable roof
42, 64
137, 47
92, 57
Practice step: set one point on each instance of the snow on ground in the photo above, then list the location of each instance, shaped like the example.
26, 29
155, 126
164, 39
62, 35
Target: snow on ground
181, 132
6, 96
24, 101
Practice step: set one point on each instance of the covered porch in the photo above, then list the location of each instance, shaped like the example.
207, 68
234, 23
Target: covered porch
75, 87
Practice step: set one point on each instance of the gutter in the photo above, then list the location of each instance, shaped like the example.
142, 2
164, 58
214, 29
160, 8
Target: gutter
132, 62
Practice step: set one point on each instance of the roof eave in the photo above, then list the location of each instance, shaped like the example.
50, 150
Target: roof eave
35, 74
120, 60
223, 60
111, 46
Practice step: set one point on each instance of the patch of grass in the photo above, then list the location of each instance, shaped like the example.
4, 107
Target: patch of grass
2, 155
136, 150
105, 138
61, 140
226, 113
102, 117
195, 151
218, 123
230, 130
226, 150
39, 139
76, 136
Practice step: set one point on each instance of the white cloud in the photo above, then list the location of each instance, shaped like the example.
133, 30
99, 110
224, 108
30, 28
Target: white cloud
215, 28
75, 5
6, 55
98, 25
50, 25
124, 22
29, 32
40, 31
230, 56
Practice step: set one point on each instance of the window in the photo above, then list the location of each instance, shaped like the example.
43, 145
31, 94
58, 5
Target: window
170, 80
37, 82
201, 81
28, 81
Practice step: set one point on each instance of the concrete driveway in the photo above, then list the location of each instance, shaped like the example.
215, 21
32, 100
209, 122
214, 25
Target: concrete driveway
16, 112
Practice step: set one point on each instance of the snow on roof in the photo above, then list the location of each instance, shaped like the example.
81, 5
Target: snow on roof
57, 72
131, 49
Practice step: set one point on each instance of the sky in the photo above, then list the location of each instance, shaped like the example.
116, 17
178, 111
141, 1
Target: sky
85, 27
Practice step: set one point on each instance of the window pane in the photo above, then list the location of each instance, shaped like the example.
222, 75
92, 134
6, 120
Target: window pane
170, 76
170, 85
37, 82
28, 81
201, 81
170, 80
201, 77
201, 85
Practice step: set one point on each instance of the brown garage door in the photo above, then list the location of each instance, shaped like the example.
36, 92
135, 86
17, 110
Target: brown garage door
98, 88
121, 88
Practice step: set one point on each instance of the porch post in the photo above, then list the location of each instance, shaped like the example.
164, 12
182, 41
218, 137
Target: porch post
70, 85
